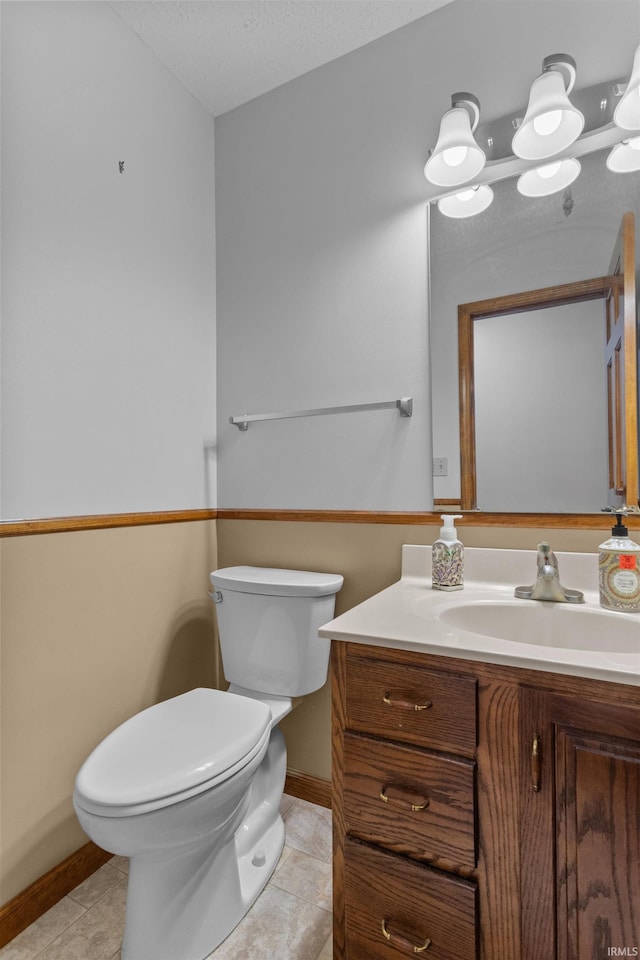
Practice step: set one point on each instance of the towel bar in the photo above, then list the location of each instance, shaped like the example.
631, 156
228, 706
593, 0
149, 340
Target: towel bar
404, 405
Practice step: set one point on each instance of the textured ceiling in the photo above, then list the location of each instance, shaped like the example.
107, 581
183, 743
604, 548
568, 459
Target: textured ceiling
226, 52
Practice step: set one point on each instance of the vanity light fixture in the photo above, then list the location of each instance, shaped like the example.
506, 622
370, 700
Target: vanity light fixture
627, 113
548, 179
551, 123
625, 156
456, 158
466, 203
544, 152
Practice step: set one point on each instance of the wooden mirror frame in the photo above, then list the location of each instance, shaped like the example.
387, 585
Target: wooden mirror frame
468, 314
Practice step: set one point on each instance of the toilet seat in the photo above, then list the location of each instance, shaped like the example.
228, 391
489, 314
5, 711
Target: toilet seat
172, 751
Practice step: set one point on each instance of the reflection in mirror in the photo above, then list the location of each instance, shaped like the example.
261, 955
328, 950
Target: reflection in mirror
530, 429
518, 244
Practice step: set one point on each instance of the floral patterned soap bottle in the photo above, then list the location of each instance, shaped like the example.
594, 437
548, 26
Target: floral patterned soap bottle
619, 570
448, 557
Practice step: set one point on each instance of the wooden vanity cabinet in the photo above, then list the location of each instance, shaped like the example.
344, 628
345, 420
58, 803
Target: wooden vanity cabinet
482, 812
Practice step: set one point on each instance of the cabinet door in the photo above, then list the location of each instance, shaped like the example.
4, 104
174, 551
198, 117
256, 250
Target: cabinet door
580, 828
598, 844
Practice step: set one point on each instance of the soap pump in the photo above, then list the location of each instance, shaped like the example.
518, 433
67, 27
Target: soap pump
619, 570
448, 557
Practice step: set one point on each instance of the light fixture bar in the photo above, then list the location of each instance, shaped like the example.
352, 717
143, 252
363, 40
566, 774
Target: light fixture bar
495, 170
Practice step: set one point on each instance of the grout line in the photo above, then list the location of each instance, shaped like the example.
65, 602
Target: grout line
120, 875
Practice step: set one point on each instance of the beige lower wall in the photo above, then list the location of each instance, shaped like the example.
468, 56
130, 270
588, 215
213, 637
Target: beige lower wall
95, 626
368, 555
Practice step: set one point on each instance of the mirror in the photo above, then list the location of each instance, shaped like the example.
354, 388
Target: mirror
519, 245
528, 429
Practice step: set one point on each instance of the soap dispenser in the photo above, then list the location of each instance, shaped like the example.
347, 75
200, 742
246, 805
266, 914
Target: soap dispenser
619, 570
447, 557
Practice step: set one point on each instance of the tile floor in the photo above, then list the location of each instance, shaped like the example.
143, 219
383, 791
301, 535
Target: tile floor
291, 920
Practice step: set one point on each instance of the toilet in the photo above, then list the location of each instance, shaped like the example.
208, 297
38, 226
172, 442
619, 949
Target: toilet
190, 789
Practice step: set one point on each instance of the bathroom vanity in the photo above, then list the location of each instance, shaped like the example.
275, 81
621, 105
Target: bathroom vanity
486, 792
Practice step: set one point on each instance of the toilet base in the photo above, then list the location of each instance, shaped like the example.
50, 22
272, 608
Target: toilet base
183, 907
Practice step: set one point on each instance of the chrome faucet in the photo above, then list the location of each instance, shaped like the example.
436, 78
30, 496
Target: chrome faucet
547, 585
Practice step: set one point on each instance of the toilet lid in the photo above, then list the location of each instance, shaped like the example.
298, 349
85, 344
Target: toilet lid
172, 747
273, 581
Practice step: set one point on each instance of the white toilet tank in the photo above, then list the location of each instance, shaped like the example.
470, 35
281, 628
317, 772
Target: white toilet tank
268, 621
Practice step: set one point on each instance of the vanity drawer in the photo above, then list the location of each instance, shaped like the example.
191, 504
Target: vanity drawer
387, 896
425, 707
412, 801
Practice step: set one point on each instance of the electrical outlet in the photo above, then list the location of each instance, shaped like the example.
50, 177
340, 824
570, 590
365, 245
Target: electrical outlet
440, 467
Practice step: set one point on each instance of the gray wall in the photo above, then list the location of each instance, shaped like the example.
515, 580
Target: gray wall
322, 245
108, 280
321, 255
108, 283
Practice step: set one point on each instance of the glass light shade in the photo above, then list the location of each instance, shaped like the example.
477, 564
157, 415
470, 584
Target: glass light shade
551, 122
627, 113
625, 156
548, 179
457, 158
467, 203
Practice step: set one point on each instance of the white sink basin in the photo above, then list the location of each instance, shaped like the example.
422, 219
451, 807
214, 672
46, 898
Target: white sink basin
547, 624
485, 622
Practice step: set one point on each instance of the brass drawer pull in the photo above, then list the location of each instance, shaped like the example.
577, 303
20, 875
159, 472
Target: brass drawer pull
536, 763
402, 942
406, 704
413, 801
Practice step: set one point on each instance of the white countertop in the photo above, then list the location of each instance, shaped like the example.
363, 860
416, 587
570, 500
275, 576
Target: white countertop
406, 615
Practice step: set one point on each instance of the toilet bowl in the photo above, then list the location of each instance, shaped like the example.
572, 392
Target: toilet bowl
190, 789
170, 789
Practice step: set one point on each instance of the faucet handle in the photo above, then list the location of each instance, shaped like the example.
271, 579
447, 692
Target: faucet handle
546, 556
